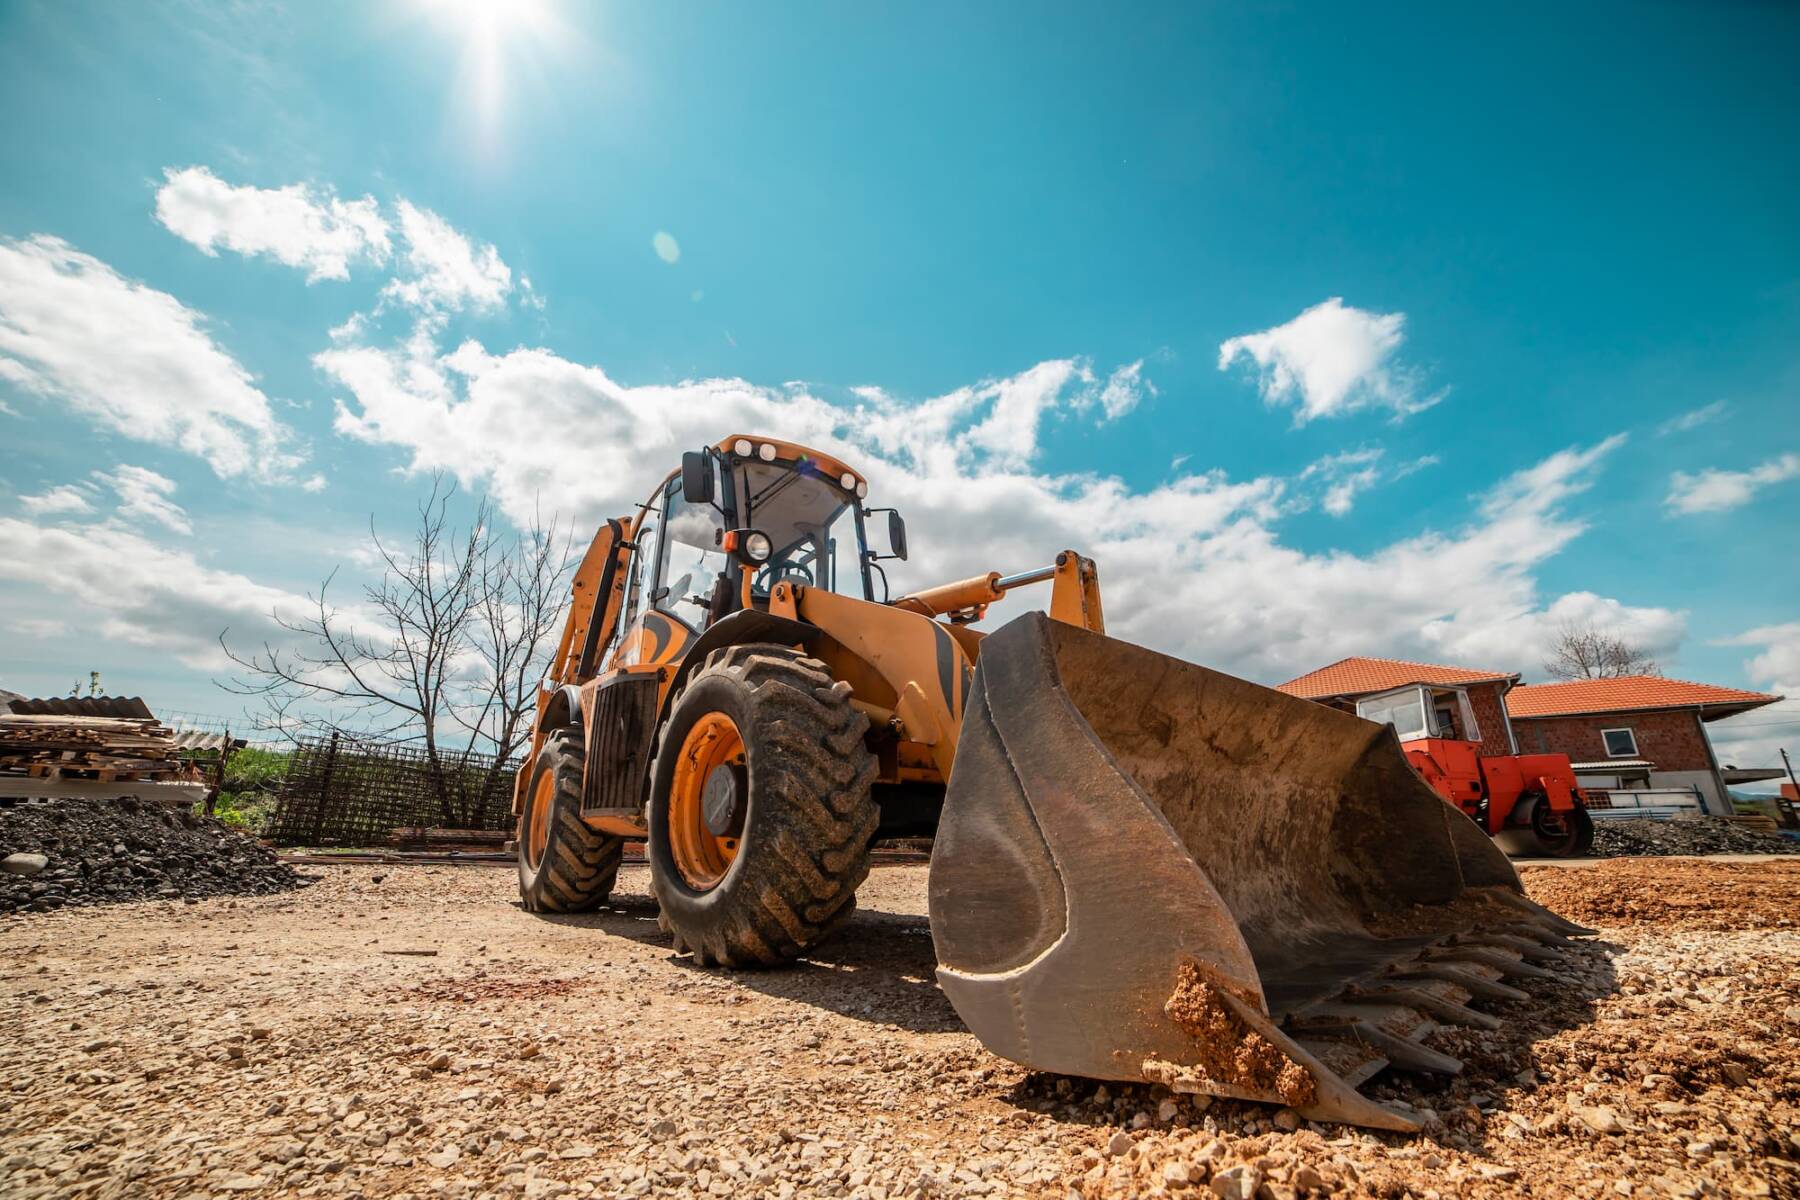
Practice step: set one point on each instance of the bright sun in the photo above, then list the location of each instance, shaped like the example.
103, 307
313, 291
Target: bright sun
501, 41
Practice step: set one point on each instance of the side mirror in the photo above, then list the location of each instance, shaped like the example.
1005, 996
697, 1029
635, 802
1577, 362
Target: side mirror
896, 535
696, 477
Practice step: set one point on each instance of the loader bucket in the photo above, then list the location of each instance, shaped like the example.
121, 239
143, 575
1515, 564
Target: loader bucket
1147, 870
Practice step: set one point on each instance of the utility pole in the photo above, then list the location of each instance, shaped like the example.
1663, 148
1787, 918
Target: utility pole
1787, 805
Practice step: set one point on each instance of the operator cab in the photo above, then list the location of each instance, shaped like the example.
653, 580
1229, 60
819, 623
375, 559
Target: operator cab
737, 519
1423, 711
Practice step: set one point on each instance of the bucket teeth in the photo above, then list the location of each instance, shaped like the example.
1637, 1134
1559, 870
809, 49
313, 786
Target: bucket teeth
1541, 935
1508, 964
1352, 1061
1459, 974
1541, 916
1529, 948
1402, 1052
1441, 999
1401, 1020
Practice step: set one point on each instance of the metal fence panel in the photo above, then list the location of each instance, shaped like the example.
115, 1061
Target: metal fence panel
343, 790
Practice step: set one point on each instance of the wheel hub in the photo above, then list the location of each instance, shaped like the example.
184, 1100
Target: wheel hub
722, 800
707, 801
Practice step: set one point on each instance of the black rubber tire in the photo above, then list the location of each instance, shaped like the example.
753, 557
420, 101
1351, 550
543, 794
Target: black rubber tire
1530, 840
809, 818
580, 865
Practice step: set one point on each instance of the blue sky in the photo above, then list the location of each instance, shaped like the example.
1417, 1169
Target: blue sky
1509, 298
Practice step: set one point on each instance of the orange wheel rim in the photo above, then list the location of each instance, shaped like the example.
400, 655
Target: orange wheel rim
537, 835
701, 854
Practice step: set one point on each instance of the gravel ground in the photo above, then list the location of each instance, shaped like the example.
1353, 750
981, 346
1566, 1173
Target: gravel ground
409, 1031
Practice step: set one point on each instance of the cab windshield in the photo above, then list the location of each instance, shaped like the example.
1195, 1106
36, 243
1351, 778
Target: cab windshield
811, 524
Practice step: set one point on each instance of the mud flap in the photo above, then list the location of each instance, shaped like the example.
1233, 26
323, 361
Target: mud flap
1147, 870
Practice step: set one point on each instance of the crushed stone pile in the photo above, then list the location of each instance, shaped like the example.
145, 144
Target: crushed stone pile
56, 853
1704, 835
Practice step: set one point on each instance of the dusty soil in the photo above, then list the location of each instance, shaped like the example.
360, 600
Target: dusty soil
291, 1044
1704, 895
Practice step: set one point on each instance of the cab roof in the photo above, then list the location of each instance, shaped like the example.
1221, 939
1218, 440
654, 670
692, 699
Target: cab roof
828, 463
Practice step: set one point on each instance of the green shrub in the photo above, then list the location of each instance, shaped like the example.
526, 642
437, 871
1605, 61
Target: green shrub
252, 778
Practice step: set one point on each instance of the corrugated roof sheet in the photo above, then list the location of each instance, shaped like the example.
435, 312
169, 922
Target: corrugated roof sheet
1629, 693
1360, 676
83, 706
200, 739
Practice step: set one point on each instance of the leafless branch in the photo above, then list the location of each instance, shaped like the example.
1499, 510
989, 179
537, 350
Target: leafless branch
1584, 652
445, 648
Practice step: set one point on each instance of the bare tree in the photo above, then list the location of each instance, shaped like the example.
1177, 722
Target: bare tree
444, 650
521, 597
1584, 652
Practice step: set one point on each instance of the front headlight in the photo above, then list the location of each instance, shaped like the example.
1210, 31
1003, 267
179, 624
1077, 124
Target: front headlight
757, 547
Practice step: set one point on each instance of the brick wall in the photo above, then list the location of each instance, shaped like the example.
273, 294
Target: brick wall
1490, 718
1673, 740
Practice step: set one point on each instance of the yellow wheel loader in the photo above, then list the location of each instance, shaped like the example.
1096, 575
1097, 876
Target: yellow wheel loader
1142, 869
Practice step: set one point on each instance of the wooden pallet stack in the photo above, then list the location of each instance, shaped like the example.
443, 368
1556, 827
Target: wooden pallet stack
82, 747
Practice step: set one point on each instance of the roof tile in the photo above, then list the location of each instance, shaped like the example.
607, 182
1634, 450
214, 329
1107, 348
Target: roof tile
1626, 693
1360, 676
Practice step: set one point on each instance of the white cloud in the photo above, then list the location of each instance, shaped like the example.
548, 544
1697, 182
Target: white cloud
132, 359
1330, 360
64, 499
300, 226
1016, 407
1778, 666
114, 583
1757, 738
444, 270
1416, 465
1713, 490
1345, 475
1692, 419
666, 247
144, 493
1195, 567
1125, 387
38, 627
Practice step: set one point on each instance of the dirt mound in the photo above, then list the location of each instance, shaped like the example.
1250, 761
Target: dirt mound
1705, 835
1696, 895
68, 852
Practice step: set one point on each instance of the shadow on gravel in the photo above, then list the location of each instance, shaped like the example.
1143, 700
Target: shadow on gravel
879, 967
1467, 1110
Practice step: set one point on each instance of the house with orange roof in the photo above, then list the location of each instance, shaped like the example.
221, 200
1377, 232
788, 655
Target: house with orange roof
1428, 699
1636, 730
1639, 732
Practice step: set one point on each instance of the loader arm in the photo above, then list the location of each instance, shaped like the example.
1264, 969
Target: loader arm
597, 590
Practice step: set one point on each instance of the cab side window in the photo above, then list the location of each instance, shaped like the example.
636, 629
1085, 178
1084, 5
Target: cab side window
643, 569
695, 566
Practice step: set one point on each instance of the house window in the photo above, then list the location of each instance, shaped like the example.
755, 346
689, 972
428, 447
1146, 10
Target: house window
1620, 743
